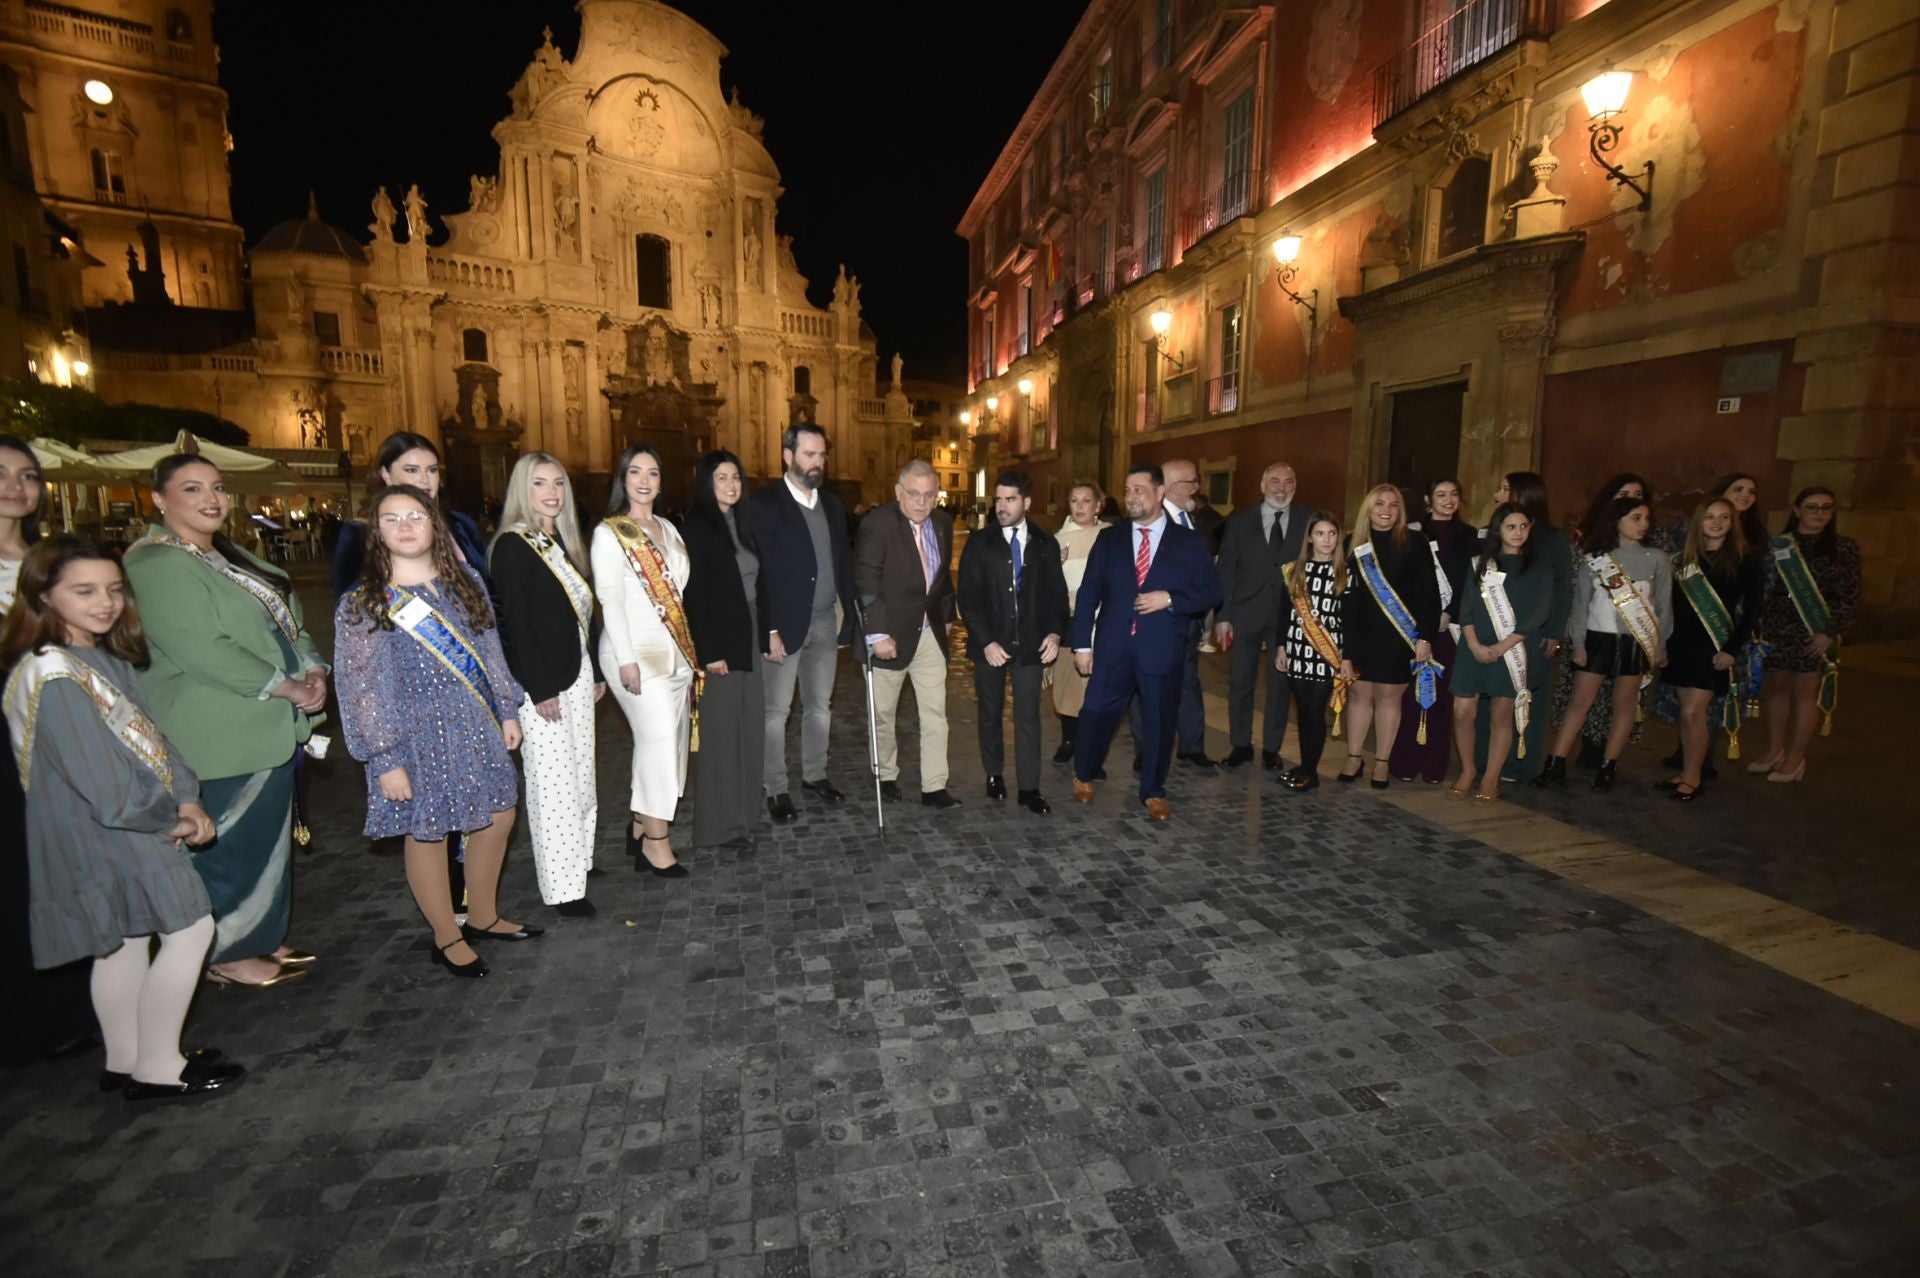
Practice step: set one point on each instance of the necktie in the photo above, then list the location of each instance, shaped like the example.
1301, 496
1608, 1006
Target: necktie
1186, 520
1016, 558
929, 553
1142, 560
1277, 530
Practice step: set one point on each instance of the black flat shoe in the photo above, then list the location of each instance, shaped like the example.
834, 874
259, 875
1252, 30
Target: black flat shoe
1603, 779
110, 1081
823, 790
525, 932
779, 807
1237, 756
199, 1078
595, 872
996, 787
1064, 753
890, 791
1034, 802
941, 799
470, 971
577, 909
674, 871
1684, 793
1199, 759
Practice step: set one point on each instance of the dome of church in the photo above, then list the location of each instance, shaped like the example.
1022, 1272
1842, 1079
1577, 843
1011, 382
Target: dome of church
310, 235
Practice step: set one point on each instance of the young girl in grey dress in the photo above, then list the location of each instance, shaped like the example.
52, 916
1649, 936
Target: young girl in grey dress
111, 807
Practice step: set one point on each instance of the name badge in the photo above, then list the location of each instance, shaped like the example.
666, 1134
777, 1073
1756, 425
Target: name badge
122, 714
412, 613
1783, 553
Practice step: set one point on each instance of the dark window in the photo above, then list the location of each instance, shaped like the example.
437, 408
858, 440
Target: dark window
473, 345
109, 179
326, 328
179, 27
22, 275
1463, 208
653, 271
802, 380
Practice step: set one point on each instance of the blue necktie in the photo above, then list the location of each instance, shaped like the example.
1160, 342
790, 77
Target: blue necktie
1016, 558
1185, 520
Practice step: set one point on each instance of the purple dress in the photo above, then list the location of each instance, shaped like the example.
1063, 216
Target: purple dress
401, 707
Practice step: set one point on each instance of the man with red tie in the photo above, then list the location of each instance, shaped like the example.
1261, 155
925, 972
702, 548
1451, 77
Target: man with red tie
1147, 582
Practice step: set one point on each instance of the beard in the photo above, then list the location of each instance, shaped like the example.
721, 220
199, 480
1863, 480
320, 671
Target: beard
808, 478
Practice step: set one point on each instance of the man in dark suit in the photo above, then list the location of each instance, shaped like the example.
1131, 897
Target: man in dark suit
1013, 597
1256, 546
807, 575
1178, 499
1148, 582
901, 569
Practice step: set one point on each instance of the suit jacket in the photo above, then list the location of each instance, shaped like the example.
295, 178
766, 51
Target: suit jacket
1250, 569
716, 598
788, 567
1183, 568
994, 612
538, 627
892, 584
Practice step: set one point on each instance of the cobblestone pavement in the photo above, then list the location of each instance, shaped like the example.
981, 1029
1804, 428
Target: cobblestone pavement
1280, 1035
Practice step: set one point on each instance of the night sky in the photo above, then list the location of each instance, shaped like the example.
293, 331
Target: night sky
883, 117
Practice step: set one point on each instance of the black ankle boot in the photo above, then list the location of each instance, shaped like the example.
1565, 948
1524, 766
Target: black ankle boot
1069, 730
1553, 772
1603, 779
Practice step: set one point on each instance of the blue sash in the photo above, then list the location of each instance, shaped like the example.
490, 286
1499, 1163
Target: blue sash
448, 646
1426, 674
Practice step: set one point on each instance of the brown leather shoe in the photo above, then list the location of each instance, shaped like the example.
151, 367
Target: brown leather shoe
1157, 809
1083, 790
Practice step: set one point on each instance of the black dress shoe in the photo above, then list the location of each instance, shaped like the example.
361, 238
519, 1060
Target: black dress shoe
890, 791
199, 1078
823, 790
1064, 754
1199, 759
1301, 779
938, 799
576, 909
525, 932
997, 788
1035, 802
1237, 756
1270, 760
779, 807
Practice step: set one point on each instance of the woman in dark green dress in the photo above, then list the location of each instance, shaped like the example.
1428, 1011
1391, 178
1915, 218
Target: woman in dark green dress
1503, 647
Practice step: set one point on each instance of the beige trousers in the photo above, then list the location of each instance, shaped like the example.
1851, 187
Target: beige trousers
928, 671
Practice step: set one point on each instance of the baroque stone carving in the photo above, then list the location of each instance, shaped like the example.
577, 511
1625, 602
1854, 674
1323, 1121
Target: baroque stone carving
645, 129
566, 206
416, 215
483, 194
382, 224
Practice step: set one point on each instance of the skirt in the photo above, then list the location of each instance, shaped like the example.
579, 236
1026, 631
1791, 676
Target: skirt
1614, 655
727, 769
1428, 762
248, 868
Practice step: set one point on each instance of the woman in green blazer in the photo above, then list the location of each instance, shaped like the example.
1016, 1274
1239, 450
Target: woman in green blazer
236, 683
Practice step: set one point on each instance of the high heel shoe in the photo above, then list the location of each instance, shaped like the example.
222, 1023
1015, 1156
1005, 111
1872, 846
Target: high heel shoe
1798, 774
1348, 778
1682, 792
473, 970
1767, 764
674, 871
1552, 772
1378, 783
633, 845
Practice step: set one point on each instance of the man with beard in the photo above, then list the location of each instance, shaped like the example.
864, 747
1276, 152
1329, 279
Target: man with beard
806, 611
1149, 581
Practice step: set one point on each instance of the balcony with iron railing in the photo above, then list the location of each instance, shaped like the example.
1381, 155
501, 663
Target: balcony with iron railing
1463, 39
1215, 210
1223, 394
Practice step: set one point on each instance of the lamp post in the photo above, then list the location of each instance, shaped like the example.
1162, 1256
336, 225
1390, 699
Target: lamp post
1161, 322
1606, 97
1285, 250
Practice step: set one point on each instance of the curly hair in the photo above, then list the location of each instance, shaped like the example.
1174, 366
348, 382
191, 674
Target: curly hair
457, 579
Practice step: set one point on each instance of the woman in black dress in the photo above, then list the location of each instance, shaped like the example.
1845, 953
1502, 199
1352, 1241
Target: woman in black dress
724, 602
1452, 541
1698, 669
1315, 583
1375, 653
1742, 492
1798, 659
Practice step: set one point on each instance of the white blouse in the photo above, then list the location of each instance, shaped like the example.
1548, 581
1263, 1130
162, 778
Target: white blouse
634, 632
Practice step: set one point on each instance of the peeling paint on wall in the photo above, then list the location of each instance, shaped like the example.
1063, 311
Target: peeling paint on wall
1332, 48
1665, 134
1792, 15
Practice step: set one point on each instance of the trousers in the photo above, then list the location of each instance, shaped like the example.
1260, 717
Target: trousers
928, 673
990, 696
1253, 648
1188, 713
1116, 682
809, 668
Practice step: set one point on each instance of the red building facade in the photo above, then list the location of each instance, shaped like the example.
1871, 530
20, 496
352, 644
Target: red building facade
1468, 290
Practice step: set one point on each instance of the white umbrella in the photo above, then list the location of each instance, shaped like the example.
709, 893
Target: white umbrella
244, 471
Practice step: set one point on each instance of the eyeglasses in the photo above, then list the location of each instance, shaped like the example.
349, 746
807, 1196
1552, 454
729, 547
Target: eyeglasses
913, 496
409, 518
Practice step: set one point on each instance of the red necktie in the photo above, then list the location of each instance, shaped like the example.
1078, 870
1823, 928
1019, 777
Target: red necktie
1142, 560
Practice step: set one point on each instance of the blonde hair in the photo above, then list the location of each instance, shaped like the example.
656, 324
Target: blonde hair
1363, 524
1732, 550
517, 509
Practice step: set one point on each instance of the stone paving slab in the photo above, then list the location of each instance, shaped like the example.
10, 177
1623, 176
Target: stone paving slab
1281, 1035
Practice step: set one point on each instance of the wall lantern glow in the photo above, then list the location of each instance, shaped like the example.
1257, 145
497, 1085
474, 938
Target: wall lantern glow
993, 403
81, 368
966, 417
1285, 250
98, 92
1161, 320
1606, 97
1026, 386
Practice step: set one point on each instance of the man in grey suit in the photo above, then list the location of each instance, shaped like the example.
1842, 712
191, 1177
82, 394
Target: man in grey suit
1257, 544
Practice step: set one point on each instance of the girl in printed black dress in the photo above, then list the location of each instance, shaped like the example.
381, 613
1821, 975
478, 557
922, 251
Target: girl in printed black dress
1315, 583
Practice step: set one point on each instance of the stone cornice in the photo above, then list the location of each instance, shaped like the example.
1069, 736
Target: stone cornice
1546, 254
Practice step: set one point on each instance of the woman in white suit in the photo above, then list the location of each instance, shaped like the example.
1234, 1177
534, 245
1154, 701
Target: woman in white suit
639, 572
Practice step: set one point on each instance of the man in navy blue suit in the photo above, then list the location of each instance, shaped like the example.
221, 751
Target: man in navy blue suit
1147, 582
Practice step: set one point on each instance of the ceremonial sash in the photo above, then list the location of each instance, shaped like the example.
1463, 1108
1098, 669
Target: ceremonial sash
651, 567
277, 608
1634, 610
1796, 574
1493, 593
1718, 623
579, 594
1426, 674
124, 718
431, 630
1440, 575
1316, 632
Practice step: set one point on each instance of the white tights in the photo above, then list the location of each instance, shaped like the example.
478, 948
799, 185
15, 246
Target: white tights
142, 1004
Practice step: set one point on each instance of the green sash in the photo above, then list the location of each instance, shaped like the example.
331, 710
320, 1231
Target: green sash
1718, 623
1796, 574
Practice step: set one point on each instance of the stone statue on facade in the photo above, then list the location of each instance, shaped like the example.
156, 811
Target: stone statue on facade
382, 224
898, 365
416, 216
478, 406
296, 296
751, 252
658, 357
483, 194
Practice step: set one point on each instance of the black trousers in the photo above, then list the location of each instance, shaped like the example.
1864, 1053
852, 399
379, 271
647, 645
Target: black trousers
1310, 698
1253, 649
990, 695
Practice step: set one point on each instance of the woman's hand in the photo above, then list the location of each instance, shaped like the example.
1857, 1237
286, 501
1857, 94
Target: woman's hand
1723, 661
1484, 655
1347, 671
1423, 651
1280, 658
599, 691
1660, 658
548, 709
717, 668
1819, 645
394, 785
510, 731
630, 677
1580, 657
317, 683
194, 828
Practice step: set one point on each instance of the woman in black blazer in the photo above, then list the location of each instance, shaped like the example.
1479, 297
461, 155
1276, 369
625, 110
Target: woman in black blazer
725, 601
551, 632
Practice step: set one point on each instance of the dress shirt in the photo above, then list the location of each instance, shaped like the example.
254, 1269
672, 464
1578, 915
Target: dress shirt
1269, 512
1156, 532
1182, 517
808, 497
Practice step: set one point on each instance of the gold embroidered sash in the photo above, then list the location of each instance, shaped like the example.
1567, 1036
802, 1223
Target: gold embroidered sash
124, 718
1315, 630
551, 553
277, 608
651, 567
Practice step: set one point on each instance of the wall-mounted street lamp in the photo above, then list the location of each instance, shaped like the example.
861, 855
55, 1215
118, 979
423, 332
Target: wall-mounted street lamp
98, 92
1285, 250
1161, 322
1026, 386
993, 403
1606, 98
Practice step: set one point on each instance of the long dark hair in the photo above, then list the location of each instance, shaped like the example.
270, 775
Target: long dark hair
1435, 483
1490, 548
30, 624
1603, 502
1753, 524
1527, 490
1824, 541
30, 526
617, 497
1603, 537
400, 443
704, 507
376, 573
261, 571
